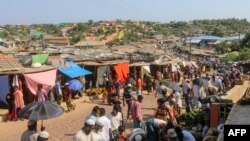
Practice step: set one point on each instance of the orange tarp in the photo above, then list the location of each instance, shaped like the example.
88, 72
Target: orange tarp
122, 71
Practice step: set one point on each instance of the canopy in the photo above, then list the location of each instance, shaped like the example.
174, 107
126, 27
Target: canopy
40, 58
74, 70
122, 71
47, 79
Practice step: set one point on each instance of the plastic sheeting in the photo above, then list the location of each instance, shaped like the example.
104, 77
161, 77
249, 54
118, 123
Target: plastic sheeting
74, 70
100, 72
47, 79
40, 58
4, 87
122, 71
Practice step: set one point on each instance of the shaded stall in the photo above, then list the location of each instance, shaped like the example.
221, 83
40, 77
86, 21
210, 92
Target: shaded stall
99, 68
139, 68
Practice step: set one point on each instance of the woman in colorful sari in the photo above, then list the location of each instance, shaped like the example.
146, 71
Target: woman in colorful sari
18, 103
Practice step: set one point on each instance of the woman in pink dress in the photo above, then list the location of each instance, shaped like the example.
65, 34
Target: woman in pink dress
18, 103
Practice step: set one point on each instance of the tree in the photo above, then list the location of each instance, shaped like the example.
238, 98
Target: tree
218, 32
3, 34
76, 38
90, 22
245, 54
223, 48
246, 41
230, 57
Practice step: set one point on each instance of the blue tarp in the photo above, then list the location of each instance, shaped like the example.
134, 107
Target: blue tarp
74, 70
208, 37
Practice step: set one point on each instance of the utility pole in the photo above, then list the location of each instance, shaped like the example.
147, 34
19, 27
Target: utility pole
239, 44
190, 46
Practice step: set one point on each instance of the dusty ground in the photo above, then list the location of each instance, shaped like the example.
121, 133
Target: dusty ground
63, 128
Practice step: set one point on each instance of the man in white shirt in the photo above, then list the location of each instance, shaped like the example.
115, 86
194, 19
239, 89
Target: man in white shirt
115, 118
30, 134
178, 101
85, 134
160, 90
98, 131
107, 125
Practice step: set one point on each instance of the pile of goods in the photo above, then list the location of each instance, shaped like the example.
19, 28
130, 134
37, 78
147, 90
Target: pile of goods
95, 91
192, 118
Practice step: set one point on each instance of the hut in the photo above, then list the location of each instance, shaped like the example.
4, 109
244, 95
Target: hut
139, 68
119, 68
12, 73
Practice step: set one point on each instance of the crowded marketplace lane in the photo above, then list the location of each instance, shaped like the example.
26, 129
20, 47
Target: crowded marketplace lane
64, 127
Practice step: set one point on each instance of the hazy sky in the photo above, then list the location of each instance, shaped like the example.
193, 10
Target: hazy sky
56, 11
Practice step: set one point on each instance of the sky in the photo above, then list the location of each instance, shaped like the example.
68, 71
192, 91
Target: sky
61, 11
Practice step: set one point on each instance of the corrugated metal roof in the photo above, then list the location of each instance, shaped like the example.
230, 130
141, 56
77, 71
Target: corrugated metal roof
9, 63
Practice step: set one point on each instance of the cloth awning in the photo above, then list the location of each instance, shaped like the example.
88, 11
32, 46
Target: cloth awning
122, 71
74, 70
47, 79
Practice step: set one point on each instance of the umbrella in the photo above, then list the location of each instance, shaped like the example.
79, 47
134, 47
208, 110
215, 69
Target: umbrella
75, 84
41, 111
172, 85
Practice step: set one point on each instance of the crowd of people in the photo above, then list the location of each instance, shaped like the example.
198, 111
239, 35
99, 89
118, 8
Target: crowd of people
197, 82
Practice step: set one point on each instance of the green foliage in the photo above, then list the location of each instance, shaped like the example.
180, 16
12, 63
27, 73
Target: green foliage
3, 34
246, 41
192, 118
224, 48
230, 57
245, 54
50, 29
76, 38
218, 32
78, 29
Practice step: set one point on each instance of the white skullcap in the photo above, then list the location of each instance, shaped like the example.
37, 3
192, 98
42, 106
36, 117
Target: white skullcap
66, 83
98, 123
129, 85
44, 134
90, 122
138, 137
31, 122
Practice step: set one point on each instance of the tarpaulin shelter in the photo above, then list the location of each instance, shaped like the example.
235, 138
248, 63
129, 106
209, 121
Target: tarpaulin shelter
73, 70
4, 87
99, 68
40, 58
47, 79
122, 71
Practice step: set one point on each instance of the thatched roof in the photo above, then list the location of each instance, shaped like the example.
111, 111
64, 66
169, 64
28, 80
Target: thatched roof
139, 64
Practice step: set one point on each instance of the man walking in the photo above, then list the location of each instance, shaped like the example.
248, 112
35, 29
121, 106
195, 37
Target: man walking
136, 112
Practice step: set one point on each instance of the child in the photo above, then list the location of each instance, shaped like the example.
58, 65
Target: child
122, 134
68, 95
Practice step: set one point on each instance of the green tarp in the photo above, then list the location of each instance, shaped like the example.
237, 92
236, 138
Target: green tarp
40, 58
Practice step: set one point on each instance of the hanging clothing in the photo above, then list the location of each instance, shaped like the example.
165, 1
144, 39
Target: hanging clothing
19, 102
15, 81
